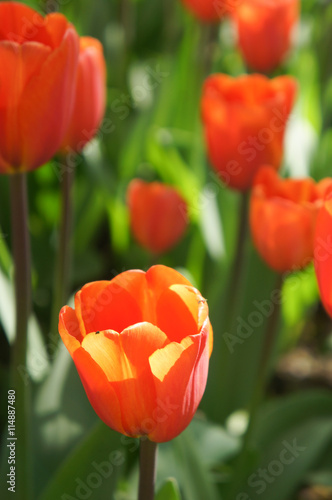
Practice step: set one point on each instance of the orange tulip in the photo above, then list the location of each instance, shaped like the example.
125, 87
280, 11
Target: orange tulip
38, 60
209, 10
140, 343
323, 252
158, 215
264, 31
90, 96
244, 120
283, 215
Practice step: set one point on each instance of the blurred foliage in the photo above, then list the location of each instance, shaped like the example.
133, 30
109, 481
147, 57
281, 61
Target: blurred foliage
153, 131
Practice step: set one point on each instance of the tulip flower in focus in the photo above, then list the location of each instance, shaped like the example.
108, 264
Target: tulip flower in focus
90, 96
38, 60
207, 10
265, 30
283, 215
244, 121
140, 343
158, 215
323, 253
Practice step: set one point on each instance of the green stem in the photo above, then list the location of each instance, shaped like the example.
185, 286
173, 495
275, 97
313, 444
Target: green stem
208, 46
230, 304
63, 259
22, 280
238, 262
148, 461
269, 342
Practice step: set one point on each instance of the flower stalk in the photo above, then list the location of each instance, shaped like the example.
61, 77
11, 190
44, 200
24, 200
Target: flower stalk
148, 462
22, 283
63, 259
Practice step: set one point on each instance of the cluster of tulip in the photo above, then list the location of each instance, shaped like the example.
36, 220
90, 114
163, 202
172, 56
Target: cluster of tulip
141, 342
135, 338
52, 87
264, 27
244, 121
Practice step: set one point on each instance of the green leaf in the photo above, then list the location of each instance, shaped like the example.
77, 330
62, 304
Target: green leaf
194, 477
169, 491
214, 443
279, 415
37, 357
289, 438
92, 469
287, 460
5, 257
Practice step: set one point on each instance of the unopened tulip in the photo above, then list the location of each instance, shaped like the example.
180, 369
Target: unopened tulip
283, 214
38, 61
323, 252
265, 30
244, 121
158, 215
141, 344
208, 10
90, 96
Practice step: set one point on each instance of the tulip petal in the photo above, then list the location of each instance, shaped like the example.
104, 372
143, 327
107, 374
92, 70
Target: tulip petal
19, 64
99, 390
188, 312
46, 104
21, 24
161, 277
69, 329
56, 25
323, 253
105, 305
124, 359
180, 372
87, 306
90, 95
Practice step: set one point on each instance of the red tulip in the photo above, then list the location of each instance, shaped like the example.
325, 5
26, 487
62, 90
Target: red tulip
158, 215
140, 343
323, 252
38, 59
283, 215
90, 96
244, 120
208, 10
264, 31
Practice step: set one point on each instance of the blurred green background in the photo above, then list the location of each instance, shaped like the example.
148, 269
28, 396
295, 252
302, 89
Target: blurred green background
156, 133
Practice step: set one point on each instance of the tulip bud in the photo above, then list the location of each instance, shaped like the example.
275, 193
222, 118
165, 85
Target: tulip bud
210, 10
323, 252
265, 30
244, 121
39, 59
283, 215
90, 96
158, 215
